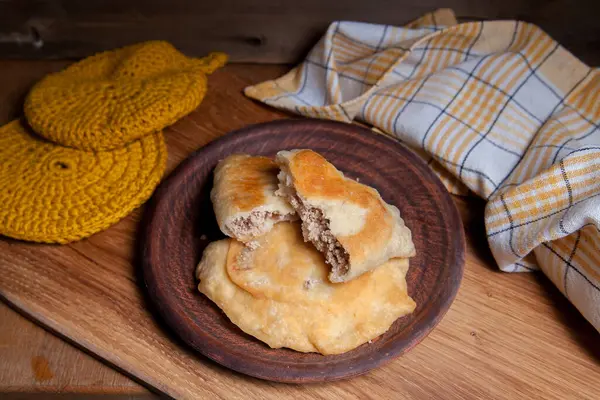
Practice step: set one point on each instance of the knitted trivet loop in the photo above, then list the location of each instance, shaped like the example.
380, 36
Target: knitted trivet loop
55, 194
115, 97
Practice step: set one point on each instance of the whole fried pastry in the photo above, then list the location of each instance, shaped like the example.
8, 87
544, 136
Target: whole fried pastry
280, 294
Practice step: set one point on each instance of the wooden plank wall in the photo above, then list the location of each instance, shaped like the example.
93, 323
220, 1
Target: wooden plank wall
267, 31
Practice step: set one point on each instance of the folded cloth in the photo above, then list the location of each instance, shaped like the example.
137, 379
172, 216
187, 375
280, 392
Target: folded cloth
498, 106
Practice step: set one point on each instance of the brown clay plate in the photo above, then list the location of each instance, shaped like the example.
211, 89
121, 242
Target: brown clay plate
180, 223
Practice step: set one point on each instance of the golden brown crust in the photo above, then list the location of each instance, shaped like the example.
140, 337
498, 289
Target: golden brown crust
371, 231
279, 293
243, 196
315, 177
241, 179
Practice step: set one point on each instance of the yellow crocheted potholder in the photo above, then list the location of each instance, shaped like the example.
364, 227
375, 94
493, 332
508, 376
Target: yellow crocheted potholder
115, 97
56, 194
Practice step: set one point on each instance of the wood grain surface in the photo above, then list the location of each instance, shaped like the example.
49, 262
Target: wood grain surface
34, 362
256, 31
182, 209
506, 336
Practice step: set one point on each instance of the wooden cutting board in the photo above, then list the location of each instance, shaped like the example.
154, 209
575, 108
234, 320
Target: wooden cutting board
506, 335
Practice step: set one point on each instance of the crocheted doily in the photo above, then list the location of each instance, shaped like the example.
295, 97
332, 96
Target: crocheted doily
108, 100
56, 194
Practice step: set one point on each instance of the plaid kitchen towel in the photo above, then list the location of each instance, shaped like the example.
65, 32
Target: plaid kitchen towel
497, 107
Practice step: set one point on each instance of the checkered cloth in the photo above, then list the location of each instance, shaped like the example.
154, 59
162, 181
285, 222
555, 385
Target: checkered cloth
497, 108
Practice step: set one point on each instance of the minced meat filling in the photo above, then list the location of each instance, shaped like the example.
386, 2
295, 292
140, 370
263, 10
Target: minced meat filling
315, 228
253, 223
